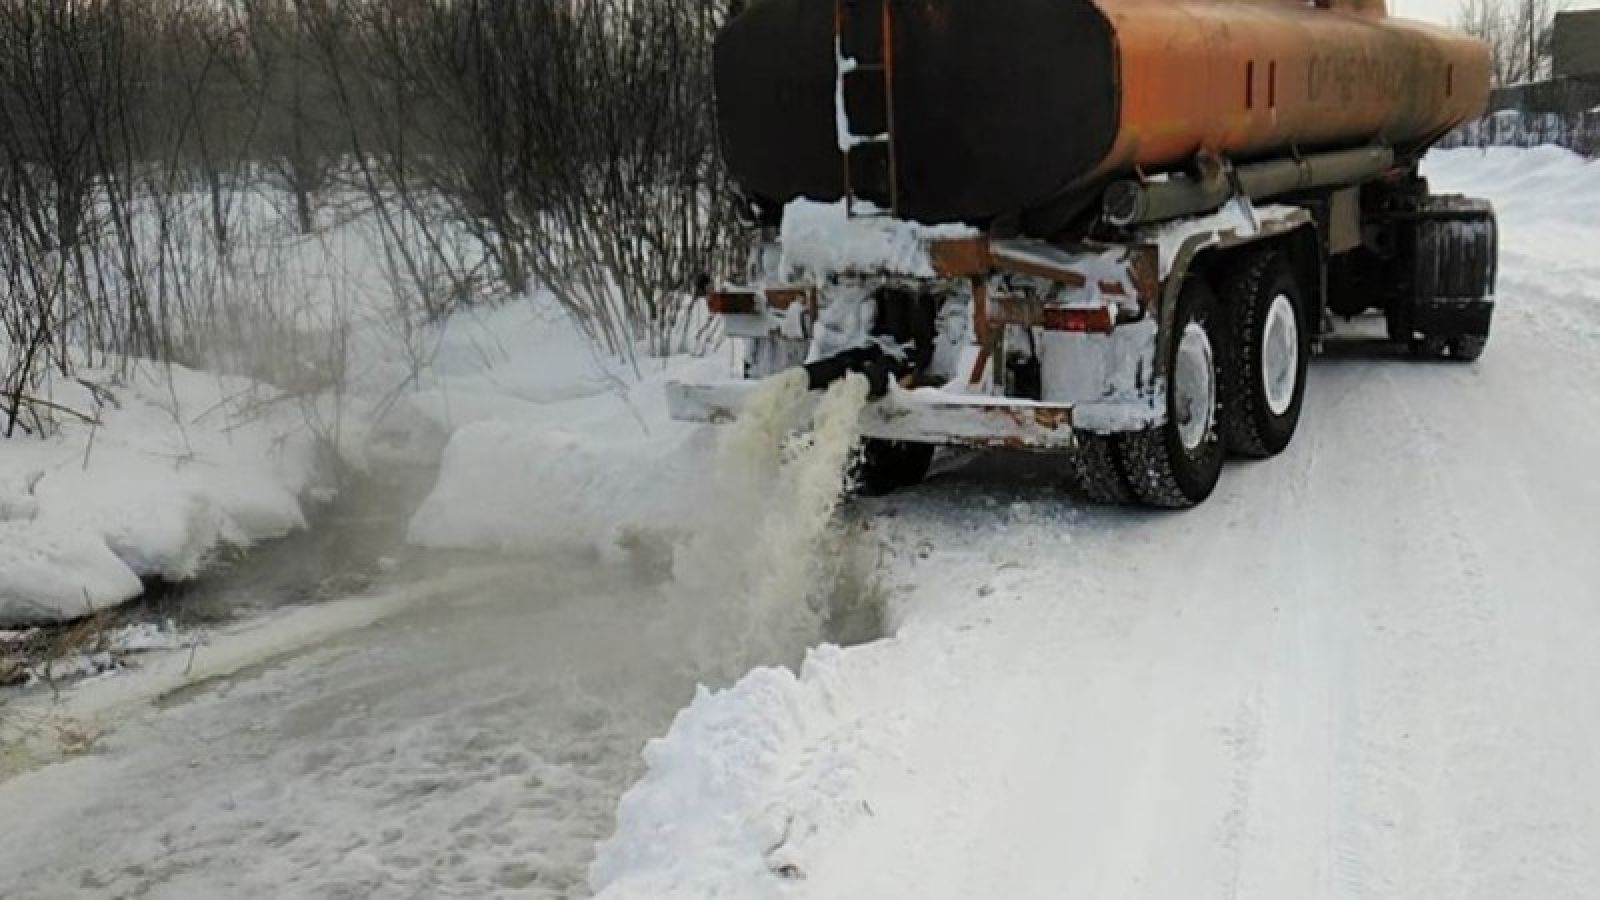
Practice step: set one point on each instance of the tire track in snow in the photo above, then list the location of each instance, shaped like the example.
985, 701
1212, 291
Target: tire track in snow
1527, 503
1429, 721
1244, 740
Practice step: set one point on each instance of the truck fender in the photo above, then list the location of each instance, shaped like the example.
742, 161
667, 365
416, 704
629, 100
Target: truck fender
1205, 242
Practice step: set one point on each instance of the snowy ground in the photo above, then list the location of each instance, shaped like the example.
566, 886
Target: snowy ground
168, 466
1363, 669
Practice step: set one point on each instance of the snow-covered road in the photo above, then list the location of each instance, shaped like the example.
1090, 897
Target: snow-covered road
1365, 669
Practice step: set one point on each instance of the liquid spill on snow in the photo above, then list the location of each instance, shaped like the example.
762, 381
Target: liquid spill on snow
757, 566
795, 531
473, 746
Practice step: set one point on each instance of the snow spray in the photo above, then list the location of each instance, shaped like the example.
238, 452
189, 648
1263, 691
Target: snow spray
757, 568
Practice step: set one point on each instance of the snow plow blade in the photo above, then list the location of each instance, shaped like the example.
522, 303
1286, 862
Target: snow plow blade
923, 416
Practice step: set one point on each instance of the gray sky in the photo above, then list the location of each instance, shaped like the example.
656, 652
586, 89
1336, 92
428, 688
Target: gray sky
1445, 10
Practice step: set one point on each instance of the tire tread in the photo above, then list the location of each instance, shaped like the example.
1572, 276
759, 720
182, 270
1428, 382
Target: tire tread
1240, 431
1098, 472
1247, 426
1148, 464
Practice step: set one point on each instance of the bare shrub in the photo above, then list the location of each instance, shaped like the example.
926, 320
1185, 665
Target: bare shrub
573, 139
499, 146
639, 206
1519, 33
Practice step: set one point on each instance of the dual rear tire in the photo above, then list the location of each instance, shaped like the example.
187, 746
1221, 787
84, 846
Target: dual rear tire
1176, 465
1236, 370
1264, 380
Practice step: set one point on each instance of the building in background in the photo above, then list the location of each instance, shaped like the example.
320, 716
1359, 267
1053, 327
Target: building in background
1575, 44
1574, 87
1564, 109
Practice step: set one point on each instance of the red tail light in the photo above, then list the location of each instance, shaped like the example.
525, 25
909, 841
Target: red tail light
1101, 319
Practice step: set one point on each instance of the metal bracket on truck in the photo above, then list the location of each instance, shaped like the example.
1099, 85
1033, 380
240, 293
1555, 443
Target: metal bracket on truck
1091, 317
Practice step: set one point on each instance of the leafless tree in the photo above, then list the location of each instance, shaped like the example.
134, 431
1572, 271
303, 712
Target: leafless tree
1518, 32
571, 141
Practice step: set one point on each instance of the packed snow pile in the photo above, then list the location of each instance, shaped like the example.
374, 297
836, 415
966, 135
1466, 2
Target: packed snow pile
823, 238
149, 474
409, 392
509, 485
734, 779
549, 446
552, 447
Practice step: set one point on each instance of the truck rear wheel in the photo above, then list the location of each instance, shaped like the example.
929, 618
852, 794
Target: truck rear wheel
1449, 257
1176, 465
1097, 472
1266, 355
888, 466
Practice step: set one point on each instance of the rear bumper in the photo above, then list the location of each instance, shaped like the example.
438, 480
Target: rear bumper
923, 416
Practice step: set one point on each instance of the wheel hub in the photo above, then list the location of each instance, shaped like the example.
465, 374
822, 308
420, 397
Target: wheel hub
1194, 386
1280, 355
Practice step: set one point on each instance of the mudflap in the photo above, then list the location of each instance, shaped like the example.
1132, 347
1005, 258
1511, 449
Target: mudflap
1452, 246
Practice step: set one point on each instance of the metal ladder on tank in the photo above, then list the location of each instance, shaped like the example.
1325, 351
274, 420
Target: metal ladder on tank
864, 58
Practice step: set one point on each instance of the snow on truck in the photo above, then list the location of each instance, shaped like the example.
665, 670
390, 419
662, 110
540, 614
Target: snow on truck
1111, 228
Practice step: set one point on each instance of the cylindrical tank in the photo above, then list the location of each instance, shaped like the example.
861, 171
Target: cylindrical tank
1019, 108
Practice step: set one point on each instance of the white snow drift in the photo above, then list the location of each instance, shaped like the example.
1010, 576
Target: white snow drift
549, 447
176, 465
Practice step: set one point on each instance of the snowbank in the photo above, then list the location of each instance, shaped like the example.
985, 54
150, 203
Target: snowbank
1543, 185
744, 778
542, 443
755, 786
179, 465
551, 447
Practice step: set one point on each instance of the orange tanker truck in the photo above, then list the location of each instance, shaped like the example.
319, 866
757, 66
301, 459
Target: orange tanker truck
1117, 229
